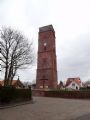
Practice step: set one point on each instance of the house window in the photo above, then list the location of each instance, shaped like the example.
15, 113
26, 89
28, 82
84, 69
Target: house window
73, 84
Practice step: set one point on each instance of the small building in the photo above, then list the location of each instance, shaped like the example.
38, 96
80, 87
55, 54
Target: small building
33, 86
73, 83
61, 85
87, 84
15, 83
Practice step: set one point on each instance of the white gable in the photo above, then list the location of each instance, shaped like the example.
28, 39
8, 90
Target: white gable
73, 85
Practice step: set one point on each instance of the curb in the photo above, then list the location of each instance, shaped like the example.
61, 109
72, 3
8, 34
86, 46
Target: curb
18, 104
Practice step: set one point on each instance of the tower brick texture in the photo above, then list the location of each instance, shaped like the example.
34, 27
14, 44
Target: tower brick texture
46, 77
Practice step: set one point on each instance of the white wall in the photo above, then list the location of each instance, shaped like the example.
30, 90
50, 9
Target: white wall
73, 85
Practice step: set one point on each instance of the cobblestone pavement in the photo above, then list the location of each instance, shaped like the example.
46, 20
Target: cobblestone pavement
49, 109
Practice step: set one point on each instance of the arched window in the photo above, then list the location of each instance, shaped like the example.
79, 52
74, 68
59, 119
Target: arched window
45, 46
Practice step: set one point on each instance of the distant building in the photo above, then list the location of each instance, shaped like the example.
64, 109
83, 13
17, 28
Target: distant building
87, 84
33, 86
61, 85
15, 83
27, 84
73, 83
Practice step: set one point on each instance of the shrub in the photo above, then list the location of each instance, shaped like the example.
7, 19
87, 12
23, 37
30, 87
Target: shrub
23, 94
6, 94
11, 94
68, 94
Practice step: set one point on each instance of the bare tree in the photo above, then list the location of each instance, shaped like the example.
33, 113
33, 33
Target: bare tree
16, 52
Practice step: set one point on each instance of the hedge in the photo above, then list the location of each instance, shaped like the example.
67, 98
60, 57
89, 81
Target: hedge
82, 94
68, 94
11, 94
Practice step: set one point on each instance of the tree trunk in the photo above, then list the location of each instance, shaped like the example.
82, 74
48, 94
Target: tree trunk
5, 78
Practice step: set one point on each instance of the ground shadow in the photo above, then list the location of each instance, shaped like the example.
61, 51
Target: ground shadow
83, 117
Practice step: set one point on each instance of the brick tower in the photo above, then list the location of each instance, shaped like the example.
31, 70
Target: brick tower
46, 64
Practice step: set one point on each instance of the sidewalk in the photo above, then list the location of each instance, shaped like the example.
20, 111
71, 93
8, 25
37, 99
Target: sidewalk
16, 104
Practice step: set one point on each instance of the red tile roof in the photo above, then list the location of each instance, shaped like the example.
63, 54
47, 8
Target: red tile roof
2, 82
13, 82
70, 80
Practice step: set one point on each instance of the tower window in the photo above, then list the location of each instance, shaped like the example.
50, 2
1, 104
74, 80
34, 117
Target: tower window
45, 46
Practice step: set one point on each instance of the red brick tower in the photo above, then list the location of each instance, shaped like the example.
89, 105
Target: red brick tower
46, 63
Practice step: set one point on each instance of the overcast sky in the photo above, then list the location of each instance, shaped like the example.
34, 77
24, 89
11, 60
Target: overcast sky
71, 21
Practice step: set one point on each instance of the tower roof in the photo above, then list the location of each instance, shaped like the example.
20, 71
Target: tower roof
46, 28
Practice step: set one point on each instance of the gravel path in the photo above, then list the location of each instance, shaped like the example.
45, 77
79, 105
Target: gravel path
49, 109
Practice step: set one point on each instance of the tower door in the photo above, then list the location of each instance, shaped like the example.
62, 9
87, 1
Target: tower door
44, 83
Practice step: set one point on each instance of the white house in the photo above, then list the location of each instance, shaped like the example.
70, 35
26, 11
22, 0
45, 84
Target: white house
73, 83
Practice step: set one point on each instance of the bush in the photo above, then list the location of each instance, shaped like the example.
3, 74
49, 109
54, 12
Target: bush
11, 94
6, 94
68, 94
23, 94
85, 89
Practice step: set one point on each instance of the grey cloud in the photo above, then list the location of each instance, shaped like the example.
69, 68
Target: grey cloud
73, 45
77, 60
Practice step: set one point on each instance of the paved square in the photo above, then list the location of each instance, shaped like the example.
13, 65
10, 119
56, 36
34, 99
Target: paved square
49, 109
